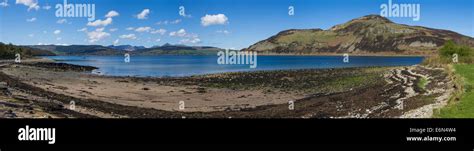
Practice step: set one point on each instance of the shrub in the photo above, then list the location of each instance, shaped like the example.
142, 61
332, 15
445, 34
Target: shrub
465, 54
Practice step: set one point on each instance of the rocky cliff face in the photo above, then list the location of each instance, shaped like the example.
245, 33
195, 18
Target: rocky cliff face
370, 34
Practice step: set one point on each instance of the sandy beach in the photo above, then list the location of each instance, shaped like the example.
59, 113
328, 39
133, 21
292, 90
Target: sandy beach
38, 89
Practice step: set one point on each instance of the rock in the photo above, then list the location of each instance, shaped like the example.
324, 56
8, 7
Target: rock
3, 85
4, 89
28, 107
201, 90
8, 114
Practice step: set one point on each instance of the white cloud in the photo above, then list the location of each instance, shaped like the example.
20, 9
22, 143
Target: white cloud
219, 19
143, 29
82, 29
111, 14
61, 21
31, 35
46, 7
129, 36
61, 44
59, 38
148, 30
159, 31
4, 3
166, 22
32, 4
179, 33
97, 35
223, 31
57, 32
143, 14
158, 40
99, 22
162, 22
31, 19
116, 42
113, 29
175, 21
193, 40
187, 37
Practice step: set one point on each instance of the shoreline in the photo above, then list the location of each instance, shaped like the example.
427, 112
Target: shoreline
341, 54
224, 72
248, 93
288, 54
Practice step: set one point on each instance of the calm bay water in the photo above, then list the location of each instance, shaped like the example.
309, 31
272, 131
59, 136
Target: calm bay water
170, 65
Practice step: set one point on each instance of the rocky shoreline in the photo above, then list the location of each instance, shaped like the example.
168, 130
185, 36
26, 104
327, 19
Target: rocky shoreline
39, 89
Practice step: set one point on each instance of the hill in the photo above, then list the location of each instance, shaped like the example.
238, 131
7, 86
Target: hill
8, 51
166, 49
371, 34
78, 49
126, 47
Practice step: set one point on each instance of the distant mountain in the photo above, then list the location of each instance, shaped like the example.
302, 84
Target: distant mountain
372, 34
78, 49
166, 49
8, 51
126, 47
169, 49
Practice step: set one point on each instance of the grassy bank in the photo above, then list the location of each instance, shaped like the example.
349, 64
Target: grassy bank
458, 61
304, 81
9, 51
462, 103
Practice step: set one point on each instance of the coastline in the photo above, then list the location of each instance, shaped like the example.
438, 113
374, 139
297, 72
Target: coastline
257, 94
350, 54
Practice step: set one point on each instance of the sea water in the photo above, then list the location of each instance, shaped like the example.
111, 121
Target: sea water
187, 65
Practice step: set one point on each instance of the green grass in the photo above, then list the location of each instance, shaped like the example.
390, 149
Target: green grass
308, 37
450, 48
446, 55
464, 108
304, 81
422, 83
346, 83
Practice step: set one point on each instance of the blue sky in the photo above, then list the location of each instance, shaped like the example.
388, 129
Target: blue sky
229, 23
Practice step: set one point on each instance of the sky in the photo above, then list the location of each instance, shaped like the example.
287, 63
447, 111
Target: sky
222, 23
